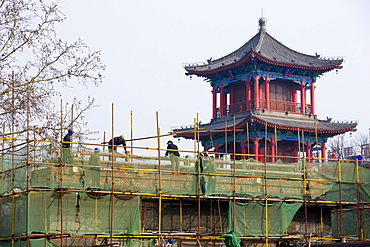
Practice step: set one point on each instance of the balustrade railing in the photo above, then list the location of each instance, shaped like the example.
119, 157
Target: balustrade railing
275, 105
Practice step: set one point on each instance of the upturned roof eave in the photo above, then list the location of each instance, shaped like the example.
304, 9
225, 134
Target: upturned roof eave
264, 59
263, 122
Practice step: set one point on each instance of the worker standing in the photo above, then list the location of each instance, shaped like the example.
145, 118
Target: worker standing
173, 153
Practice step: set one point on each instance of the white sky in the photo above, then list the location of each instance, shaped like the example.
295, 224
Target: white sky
144, 44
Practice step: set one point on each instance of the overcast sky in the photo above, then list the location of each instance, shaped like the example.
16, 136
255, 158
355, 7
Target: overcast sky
145, 43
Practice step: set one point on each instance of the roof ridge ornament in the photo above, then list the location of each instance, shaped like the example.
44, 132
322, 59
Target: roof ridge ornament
262, 24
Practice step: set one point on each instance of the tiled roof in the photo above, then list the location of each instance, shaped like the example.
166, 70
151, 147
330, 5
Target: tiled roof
266, 48
279, 119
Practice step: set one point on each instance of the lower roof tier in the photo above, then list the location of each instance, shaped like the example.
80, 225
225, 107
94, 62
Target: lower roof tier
280, 121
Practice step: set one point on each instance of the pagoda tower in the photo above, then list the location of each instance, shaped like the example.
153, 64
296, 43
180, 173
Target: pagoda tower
264, 102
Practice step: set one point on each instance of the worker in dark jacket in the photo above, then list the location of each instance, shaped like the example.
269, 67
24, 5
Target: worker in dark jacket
174, 148
174, 156
116, 141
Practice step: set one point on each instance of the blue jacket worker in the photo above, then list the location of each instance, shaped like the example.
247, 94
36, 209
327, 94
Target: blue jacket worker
66, 145
67, 139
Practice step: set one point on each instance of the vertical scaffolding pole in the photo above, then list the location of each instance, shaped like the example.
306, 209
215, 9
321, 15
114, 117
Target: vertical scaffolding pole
61, 174
28, 170
266, 193
13, 164
159, 177
104, 140
131, 132
340, 199
225, 124
276, 142
304, 183
234, 174
180, 214
358, 204
199, 179
112, 177
247, 134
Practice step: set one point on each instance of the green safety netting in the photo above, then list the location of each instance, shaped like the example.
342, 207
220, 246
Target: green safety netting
140, 243
341, 227
77, 213
41, 211
250, 218
231, 239
30, 242
208, 175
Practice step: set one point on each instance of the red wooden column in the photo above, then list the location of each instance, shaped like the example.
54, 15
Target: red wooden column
267, 92
303, 98
294, 97
272, 149
312, 91
256, 92
248, 95
308, 151
244, 150
214, 101
222, 100
255, 147
323, 151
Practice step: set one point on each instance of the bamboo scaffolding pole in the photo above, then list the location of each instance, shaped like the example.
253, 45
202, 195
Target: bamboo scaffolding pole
159, 176
13, 162
61, 174
304, 184
112, 177
131, 131
340, 199
247, 134
226, 137
266, 192
195, 136
199, 178
316, 138
276, 142
180, 214
28, 154
358, 197
234, 174
104, 140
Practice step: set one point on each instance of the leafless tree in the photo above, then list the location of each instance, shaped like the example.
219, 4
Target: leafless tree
337, 145
361, 143
33, 60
